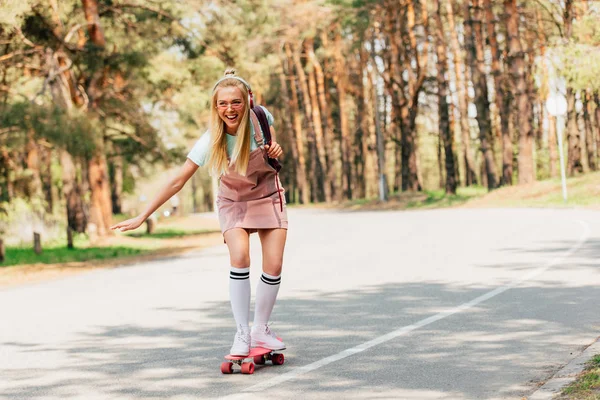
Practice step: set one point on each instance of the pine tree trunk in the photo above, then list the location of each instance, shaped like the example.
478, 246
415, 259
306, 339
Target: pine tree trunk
574, 164
116, 184
341, 85
369, 144
303, 187
444, 117
597, 121
76, 216
303, 92
589, 131
393, 85
533, 101
72, 188
100, 197
501, 100
100, 200
362, 125
463, 100
328, 126
475, 54
288, 133
410, 168
379, 139
316, 116
544, 90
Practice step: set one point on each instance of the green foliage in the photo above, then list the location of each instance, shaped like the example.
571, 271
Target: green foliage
580, 65
74, 131
579, 59
60, 254
13, 12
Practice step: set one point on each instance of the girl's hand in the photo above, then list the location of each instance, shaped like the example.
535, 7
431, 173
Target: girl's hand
129, 224
274, 150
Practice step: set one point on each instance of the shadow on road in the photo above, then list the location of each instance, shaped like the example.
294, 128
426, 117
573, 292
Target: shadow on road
449, 357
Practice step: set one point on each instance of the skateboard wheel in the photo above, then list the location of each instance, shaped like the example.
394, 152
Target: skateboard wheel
247, 368
278, 359
227, 368
259, 360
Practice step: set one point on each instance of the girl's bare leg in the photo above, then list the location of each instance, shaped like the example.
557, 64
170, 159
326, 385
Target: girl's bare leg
273, 245
238, 243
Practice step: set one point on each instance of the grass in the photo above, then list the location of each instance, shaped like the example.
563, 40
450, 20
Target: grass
426, 199
583, 191
60, 254
587, 385
172, 235
438, 198
169, 233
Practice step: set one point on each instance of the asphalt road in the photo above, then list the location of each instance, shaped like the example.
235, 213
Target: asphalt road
445, 304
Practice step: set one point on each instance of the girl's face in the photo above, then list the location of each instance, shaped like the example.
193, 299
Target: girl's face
231, 107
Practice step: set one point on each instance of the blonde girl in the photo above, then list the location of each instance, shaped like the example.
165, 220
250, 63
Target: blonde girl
250, 199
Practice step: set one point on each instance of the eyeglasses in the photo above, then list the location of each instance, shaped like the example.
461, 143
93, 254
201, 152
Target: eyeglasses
235, 105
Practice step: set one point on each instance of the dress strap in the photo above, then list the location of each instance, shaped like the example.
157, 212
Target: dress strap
258, 136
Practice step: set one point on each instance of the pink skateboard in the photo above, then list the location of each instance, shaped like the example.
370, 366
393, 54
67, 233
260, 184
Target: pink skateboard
258, 354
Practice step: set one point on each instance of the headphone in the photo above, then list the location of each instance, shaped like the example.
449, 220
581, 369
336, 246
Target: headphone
250, 95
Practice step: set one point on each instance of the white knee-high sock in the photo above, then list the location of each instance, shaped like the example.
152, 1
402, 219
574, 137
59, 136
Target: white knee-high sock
239, 294
266, 294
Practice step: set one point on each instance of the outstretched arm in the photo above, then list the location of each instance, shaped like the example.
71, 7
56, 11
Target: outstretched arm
163, 195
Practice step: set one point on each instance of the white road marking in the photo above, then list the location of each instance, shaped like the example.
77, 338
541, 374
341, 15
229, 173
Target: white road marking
293, 374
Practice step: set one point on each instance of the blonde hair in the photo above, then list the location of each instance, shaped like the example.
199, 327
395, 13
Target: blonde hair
218, 162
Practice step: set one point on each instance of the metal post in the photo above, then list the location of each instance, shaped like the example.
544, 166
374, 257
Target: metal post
559, 133
557, 106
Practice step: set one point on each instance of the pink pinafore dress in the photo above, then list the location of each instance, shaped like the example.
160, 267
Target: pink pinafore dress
255, 201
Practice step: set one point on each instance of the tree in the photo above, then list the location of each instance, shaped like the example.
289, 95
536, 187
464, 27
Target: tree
475, 54
444, 122
502, 98
516, 57
463, 99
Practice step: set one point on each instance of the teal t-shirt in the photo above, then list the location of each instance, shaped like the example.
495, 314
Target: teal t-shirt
199, 153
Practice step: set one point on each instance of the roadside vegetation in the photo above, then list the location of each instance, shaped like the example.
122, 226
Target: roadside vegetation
582, 191
587, 385
170, 236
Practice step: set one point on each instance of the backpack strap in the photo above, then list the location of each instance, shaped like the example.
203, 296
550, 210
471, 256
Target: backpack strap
259, 117
264, 123
258, 135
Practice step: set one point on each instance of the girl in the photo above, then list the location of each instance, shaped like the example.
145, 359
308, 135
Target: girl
250, 199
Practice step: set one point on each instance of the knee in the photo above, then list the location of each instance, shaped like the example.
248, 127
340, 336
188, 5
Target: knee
240, 260
273, 268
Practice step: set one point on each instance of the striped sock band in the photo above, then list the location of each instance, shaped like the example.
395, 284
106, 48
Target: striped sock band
239, 275
270, 280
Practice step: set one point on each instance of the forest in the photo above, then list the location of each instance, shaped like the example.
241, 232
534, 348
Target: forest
370, 97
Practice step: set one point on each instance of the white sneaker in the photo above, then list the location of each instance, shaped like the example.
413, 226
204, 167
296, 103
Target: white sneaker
241, 342
262, 336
